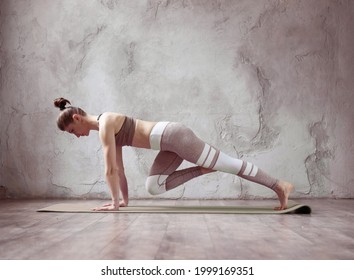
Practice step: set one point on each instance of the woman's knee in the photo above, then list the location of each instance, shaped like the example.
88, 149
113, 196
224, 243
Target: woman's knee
156, 184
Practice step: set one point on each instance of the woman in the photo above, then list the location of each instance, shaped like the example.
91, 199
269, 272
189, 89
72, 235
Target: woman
175, 143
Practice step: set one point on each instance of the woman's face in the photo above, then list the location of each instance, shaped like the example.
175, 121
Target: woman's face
78, 127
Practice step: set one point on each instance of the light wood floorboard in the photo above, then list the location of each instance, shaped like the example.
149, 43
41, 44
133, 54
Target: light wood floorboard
328, 233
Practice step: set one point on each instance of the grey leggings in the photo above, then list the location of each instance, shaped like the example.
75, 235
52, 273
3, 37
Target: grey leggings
176, 143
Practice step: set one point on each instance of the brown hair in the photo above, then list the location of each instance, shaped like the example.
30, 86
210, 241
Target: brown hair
66, 116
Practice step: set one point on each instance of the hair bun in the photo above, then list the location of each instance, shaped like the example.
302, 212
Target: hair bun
61, 103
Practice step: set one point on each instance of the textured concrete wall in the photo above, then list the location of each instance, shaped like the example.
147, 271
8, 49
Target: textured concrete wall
269, 81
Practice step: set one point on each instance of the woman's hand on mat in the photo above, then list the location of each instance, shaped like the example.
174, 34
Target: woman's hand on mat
107, 207
123, 204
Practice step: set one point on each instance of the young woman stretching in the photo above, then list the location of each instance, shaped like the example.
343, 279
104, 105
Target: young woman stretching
175, 143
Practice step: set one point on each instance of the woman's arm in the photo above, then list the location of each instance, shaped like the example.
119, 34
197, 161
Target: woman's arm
123, 184
112, 172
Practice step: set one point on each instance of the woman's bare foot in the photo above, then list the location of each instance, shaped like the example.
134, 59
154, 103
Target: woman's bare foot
283, 190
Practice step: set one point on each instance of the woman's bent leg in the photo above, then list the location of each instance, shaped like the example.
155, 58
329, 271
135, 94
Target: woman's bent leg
163, 175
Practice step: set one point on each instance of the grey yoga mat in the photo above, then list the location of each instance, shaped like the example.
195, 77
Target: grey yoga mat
293, 207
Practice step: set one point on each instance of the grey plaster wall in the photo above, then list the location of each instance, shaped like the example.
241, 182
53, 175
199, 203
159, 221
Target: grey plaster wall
269, 81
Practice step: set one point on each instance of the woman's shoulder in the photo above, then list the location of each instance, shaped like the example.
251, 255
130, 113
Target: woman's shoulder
110, 116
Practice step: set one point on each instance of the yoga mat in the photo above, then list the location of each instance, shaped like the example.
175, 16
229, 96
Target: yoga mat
293, 208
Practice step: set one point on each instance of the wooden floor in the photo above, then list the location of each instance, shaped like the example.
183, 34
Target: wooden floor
328, 233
